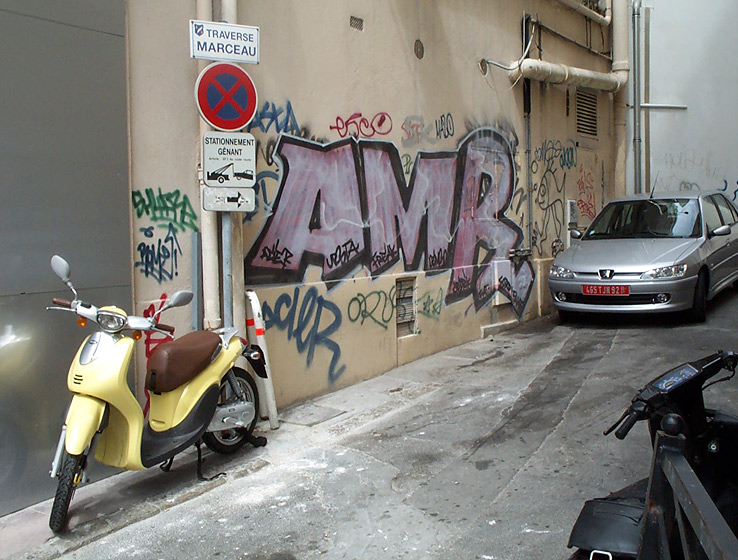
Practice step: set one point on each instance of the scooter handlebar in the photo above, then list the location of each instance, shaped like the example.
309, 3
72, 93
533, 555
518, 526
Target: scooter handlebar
163, 327
627, 425
62, 302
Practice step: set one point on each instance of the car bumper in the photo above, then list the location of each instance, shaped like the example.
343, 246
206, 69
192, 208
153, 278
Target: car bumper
643, 296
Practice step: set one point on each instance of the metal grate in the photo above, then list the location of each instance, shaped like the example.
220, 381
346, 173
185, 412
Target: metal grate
586, 113
405, 306
356, 23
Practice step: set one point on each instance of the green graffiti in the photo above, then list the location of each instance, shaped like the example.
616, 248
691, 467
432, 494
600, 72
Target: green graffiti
377, 306
164, 209
430, 304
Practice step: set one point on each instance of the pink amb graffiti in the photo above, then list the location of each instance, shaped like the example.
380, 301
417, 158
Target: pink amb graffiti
346, 204
586, 201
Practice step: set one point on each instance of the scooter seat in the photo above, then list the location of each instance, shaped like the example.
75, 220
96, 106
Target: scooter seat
174, 363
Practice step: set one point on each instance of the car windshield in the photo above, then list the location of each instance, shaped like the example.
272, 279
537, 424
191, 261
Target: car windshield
647, 218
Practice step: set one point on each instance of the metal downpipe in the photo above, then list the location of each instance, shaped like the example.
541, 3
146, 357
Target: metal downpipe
637, 140
208, 220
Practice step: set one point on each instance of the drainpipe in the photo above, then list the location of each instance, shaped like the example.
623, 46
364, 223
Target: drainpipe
236, 299
577, 6
237, 288
637, 187
554, 73
612, 81
208, 220
528, 143
620, 65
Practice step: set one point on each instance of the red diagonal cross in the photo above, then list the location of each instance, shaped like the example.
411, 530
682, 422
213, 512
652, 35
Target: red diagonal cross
227, 97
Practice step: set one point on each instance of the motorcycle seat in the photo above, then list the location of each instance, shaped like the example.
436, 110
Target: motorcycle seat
174, 363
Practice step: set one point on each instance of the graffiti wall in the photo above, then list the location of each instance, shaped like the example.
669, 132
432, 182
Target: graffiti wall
395, 215
340, 221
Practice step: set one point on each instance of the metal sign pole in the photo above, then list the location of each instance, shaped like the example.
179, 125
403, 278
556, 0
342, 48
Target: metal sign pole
227, 271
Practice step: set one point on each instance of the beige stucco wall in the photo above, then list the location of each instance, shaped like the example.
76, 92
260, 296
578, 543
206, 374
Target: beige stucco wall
433, 127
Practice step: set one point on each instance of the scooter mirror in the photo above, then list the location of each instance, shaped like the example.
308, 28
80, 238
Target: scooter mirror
61, 268
180, 298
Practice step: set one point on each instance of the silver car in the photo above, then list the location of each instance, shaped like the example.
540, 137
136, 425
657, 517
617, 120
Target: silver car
671, 252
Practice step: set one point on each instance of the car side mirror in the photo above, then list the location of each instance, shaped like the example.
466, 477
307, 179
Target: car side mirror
720, 231
575, 233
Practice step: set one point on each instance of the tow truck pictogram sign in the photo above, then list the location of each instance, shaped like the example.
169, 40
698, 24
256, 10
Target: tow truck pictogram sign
229, 159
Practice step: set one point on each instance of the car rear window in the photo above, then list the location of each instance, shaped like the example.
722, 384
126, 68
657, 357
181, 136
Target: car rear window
647, 218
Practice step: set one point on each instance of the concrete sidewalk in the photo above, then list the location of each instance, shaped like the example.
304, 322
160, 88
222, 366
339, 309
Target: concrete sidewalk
484, 451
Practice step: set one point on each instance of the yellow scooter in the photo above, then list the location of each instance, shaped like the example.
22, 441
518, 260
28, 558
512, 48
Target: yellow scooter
196, 394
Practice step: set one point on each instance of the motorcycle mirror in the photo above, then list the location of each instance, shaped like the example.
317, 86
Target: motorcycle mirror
61, 268
180, 298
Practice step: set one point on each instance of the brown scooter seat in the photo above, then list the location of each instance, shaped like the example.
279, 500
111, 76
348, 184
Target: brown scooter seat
174, 363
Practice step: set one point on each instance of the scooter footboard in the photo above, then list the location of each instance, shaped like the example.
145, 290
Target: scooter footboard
83, 421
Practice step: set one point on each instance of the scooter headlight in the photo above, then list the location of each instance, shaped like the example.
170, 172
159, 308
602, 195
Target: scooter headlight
110, 322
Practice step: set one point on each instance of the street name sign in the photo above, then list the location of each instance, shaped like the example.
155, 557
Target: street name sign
229, 200
211, 40
229, 159
225, 96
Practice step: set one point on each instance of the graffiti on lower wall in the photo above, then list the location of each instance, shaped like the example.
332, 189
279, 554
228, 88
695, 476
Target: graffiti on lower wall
162, 216
310, 320
346, 205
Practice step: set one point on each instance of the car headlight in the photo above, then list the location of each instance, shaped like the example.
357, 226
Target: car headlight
560, 272
676, 271
110, 322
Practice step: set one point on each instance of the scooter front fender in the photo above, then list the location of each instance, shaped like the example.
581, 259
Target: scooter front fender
83, 421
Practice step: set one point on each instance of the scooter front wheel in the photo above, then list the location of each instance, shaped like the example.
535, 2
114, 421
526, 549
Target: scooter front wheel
228, 441
70, 476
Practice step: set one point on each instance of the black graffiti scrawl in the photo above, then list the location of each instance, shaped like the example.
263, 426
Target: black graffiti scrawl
346, 205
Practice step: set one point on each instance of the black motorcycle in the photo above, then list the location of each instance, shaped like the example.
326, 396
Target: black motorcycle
631, 523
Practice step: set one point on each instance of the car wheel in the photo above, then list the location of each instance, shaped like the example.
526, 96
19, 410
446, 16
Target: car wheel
698, 312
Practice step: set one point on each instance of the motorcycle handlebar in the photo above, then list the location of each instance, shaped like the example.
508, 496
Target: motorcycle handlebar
163, 327
627, 425
62, 302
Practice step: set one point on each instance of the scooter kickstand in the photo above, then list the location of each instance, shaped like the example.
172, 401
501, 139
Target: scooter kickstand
167, 465
256, 441
199, 465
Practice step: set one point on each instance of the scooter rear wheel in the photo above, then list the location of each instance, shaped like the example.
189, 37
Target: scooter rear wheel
228, 441
69, 478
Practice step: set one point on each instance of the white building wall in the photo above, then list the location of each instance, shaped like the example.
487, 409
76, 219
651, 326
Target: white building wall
691, 64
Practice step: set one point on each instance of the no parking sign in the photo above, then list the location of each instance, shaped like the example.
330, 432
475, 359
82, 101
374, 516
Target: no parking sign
226, 96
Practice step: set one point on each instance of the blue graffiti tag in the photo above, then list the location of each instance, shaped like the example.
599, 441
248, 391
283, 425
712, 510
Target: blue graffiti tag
282, 118
159, 259
304, 326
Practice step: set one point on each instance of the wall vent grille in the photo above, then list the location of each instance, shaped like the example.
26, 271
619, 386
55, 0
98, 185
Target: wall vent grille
356, 23
586, 113
405, 312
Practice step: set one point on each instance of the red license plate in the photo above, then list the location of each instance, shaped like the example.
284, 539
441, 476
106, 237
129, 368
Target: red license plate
605, 290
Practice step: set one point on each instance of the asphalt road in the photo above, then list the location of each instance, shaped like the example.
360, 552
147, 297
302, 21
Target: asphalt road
485, 451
